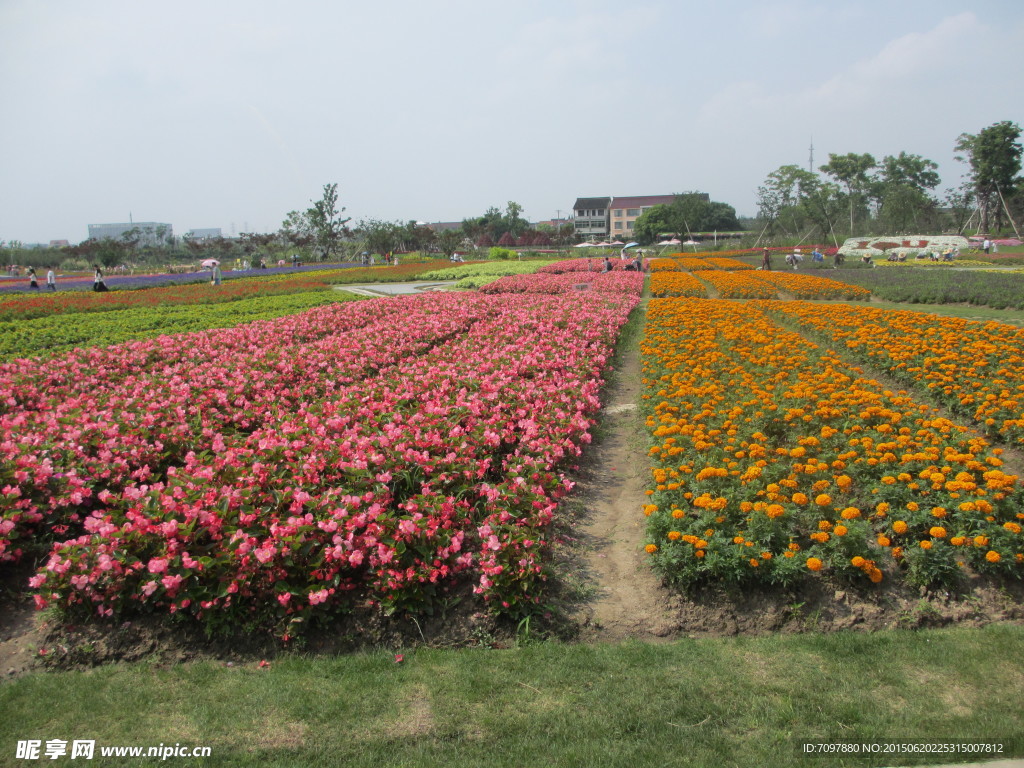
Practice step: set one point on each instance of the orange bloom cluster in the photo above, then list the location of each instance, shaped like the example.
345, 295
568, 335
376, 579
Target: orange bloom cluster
697, 265
976, 369
803, 286
676, 284
662, 265
739, 285
765, 441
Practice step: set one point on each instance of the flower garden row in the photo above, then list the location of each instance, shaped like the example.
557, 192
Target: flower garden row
22, 307
973, 368
772, 458
56, 334
752, 285
271, 474
998, 289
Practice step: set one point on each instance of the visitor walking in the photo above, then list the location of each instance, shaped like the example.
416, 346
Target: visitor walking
51, 280
766, 259
97, 279
987, 246
33, 281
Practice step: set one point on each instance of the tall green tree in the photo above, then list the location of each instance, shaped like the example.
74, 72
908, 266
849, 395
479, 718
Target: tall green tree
325, 222
687, 213
780, 200
903, 191
852, 171
994, 158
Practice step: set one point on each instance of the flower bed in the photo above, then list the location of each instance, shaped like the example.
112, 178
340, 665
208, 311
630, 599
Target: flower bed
975, 369
269, 475
773, 459
803, 286
56, 334
676, 284
738, 285
541, 282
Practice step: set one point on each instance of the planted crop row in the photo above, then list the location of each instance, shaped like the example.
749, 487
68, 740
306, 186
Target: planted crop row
55, 334
1000, 290
772, 458
975, 369
493, 269
552, 283
402, 447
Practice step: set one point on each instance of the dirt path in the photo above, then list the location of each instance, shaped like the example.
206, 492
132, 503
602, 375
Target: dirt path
629, 601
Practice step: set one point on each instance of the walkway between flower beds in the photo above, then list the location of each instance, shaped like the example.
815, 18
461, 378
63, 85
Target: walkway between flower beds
630, 602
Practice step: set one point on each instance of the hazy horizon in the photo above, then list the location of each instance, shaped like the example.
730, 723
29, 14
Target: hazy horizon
232, 114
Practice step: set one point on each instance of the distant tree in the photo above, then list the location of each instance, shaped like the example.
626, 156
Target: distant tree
326, 224
994, 157
903, 191
852, 171
448, 241
485, 241
506, 240
688, 212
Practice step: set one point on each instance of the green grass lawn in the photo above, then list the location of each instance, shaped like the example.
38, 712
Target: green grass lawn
739, 701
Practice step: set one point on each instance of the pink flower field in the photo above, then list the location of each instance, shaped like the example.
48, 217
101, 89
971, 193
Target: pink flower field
275, 473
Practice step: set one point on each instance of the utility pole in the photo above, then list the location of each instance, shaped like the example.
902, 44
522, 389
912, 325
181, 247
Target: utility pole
810, 162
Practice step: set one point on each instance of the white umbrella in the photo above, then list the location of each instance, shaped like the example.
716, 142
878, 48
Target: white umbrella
211, 263
616, 242
584, 245
629, 245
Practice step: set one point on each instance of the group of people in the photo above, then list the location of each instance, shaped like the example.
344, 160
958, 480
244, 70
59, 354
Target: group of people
795, 259
636, 265
33, 279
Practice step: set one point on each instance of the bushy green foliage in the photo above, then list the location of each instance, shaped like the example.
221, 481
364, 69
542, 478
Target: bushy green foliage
501, 253
486, 269
54, 334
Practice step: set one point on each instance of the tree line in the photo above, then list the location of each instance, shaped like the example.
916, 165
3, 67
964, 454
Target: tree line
857, 194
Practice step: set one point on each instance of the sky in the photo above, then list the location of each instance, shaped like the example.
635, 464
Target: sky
231, 114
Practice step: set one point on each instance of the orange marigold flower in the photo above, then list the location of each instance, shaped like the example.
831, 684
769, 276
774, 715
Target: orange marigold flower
981, 541
883, 541
699, 553
674, 535
840, 530
882, 507
800, 498
857, 562
753, 562
937, 531
1012, 527
814, 563
900, 527
939, 512
926, 544
913, 506
897, 552
875, 575
850, 513
822, 499
774, 510
824, 525
677, 513
651, 549
957, 541
992, 556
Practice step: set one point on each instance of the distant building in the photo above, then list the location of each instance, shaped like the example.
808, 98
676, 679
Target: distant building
603, 217
59, 243
624, 211
210, 233
150, 232
590, 217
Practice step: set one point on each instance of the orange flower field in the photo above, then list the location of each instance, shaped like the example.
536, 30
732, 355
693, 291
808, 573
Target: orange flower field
772, 458
676, 284
975, 369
